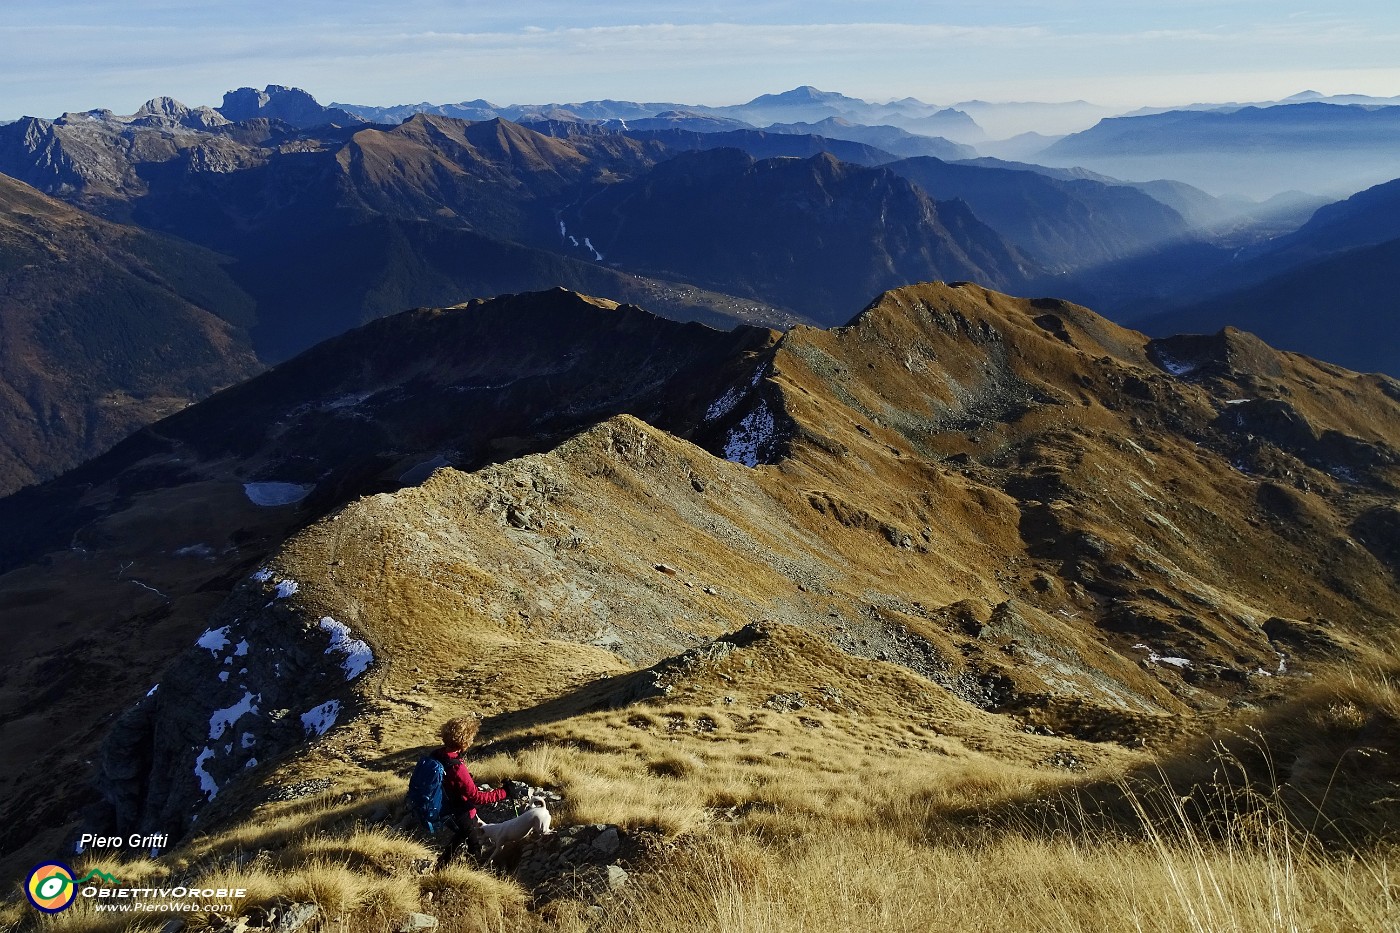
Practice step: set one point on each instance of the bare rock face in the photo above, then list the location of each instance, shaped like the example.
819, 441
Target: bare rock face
259, 681
291, 105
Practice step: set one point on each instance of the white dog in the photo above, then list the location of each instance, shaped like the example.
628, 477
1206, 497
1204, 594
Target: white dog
496, 836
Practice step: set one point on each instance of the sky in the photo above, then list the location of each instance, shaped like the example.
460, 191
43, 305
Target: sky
73, 55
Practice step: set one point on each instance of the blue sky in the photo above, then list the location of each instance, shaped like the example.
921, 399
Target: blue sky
78, 54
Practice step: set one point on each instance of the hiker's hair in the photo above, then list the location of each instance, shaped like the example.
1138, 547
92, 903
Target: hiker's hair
459, 732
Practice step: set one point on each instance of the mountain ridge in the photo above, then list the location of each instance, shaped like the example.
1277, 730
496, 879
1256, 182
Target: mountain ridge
998, 497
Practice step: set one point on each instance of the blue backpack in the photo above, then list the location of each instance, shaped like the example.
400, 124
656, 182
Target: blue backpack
425, 792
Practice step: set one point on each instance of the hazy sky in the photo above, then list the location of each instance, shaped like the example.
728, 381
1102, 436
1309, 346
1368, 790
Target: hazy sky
58, 55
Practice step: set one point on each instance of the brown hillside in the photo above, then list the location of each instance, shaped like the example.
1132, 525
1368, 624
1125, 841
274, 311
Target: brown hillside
103, 329
972, 529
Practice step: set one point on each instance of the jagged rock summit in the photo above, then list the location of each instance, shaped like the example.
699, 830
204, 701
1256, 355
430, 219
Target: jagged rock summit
291, 105
979, 512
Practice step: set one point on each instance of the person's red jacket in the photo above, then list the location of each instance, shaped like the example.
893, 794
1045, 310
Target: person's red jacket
459, 790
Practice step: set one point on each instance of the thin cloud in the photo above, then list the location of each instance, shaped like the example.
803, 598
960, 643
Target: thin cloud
51, 69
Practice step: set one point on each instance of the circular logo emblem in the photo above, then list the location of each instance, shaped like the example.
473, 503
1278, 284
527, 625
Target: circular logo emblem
50, 887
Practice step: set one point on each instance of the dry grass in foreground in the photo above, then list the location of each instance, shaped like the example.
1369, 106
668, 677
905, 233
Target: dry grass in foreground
876, 878
860, 823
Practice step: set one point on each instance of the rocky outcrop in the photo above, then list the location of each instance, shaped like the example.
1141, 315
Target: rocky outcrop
261, 680
291, 105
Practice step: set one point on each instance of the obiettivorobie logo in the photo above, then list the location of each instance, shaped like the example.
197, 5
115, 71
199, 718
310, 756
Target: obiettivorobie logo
51, 886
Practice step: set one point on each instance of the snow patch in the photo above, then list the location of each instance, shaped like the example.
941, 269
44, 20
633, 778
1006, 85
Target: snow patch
1176, 367
241, 648
206, 780
224, 718
252, 763
1345, 474
1154, 658
215, 639
286, 588
152, 692
749, 436
223, 677
726, 402
270, 495
247, 740
261, 576
318, 721
202, 551
589, 245
1237, 401
358, 655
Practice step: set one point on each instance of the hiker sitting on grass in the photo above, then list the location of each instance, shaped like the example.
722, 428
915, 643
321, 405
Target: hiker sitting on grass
461, 797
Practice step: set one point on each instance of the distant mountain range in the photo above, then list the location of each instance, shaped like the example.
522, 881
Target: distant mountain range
802, 104
1328, 286
891, 139
321, 222
1302, 97
1260, 151
813, 234
1062, 223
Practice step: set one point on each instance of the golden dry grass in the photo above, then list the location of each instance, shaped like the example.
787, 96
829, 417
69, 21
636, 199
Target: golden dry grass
881, 813
829, 836
878, 879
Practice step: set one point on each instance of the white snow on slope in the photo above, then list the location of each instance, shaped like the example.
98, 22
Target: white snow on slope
286, 588
206, 780
749, 436
215, 639
274, 494
358, 655
1154, 658
726, 402
318, 721
223, 718
1176, 367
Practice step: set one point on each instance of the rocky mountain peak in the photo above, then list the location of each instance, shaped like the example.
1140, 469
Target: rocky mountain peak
289, 104
163, 107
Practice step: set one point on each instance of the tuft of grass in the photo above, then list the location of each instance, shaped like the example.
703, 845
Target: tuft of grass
475, 902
